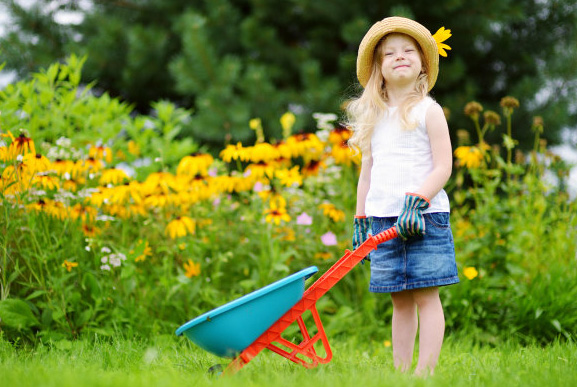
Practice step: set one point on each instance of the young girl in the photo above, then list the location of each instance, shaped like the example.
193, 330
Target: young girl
406, 160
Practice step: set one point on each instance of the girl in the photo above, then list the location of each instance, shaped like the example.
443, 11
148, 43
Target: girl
406, 160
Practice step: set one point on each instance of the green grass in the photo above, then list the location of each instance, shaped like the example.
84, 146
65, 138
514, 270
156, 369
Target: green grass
168, 361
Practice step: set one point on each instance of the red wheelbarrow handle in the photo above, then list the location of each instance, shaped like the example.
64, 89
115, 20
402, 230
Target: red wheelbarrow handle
308, 302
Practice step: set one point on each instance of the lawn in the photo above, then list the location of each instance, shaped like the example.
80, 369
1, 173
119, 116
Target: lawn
171, 361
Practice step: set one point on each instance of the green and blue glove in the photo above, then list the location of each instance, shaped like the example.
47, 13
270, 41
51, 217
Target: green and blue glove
411, 221
361, 231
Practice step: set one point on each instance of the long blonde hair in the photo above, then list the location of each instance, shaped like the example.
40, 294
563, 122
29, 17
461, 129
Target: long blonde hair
364, 111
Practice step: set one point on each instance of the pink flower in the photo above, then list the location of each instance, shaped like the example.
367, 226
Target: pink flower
304, 219
329, 239
258, 187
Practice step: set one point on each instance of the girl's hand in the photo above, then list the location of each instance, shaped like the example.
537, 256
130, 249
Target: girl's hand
411, 221
361, 231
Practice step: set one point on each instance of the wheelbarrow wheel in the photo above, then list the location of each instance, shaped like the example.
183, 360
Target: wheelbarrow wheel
216, 370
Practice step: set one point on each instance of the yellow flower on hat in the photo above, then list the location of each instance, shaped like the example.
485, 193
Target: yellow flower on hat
440, 36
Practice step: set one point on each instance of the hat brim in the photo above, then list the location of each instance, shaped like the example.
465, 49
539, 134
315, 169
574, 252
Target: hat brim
399, 25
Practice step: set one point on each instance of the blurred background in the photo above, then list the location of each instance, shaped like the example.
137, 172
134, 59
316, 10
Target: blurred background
232, 60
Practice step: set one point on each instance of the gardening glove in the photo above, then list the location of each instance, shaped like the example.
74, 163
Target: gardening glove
411, 221
361, 231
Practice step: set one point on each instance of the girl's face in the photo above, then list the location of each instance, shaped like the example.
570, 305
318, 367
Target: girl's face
402, 61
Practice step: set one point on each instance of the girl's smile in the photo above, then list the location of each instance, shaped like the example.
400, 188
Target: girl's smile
401, 60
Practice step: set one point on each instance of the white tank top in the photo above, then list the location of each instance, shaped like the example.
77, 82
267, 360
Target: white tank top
402, 160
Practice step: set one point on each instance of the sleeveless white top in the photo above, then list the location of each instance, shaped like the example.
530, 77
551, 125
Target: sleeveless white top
402, 160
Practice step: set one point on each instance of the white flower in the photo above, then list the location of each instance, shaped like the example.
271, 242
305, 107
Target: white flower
105, 250
105, 267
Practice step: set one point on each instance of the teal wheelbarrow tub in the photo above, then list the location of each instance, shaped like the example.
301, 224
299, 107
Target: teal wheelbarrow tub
229, 329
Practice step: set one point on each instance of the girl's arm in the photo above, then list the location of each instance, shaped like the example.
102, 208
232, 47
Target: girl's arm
364, 184
438, 131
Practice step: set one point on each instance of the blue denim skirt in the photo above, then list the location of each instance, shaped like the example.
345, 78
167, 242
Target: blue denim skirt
418, 262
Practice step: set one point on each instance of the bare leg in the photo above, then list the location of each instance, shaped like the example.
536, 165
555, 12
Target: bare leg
432, 329
405, 325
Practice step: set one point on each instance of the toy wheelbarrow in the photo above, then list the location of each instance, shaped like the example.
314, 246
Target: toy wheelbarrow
241, 329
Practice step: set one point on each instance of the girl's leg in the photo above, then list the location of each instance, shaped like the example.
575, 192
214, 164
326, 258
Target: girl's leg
405, 325
432, 328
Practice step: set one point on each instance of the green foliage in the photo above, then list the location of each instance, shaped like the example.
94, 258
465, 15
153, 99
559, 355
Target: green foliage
104, 256
53, 104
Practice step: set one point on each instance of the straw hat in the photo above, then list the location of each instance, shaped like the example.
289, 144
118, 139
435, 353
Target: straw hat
400, 25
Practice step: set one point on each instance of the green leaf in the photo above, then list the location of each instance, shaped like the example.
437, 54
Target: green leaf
17, 314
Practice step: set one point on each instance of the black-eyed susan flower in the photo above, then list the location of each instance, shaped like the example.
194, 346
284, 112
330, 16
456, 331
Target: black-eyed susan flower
263, 153
69, 265
191, 269
22, 145
331, 211
343, 154
180, 227
92, 165
313, 167
112, 176
339, 134
36, 162
234, 152
90, 230
100, 152
275, 214
63, 167
469, 156
289, 177
85, 213
47, 182
195, 164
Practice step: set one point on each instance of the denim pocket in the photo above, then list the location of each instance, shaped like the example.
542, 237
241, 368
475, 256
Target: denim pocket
438, 219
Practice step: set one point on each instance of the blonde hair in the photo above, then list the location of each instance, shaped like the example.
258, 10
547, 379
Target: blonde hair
364, 111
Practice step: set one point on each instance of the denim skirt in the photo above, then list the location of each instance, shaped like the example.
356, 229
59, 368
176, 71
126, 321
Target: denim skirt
418, 262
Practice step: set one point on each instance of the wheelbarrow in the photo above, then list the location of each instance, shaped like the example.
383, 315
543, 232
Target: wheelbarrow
241, 329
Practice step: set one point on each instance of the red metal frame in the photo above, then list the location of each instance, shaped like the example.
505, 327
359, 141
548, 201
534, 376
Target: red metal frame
308, 355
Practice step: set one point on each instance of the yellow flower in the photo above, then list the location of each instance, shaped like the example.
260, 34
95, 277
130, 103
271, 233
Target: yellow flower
256, 125
133, 148
86, 213
289, 177
191, 269
339, 134
197, 163
146, 252
287, 121
22, 145
470, 272
90, 230
332, 212
469, 156
35, 162
387, 343
440, 36
112, 176
276, 214
233, 152
46, 182
180, 227
100, 152
69, 265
